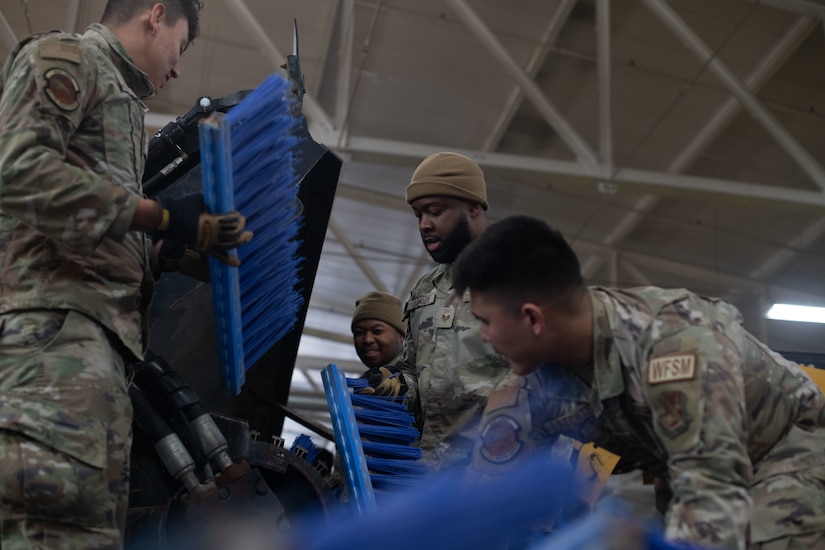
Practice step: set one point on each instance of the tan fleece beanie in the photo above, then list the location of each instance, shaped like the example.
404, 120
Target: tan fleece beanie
450, 175
380, 306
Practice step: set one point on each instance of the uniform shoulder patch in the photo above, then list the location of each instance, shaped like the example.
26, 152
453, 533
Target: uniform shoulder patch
674, 419
671, 368
60, 49
62, 88
500, 440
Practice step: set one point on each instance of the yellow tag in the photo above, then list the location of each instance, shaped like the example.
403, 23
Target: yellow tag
593, 467
817, 375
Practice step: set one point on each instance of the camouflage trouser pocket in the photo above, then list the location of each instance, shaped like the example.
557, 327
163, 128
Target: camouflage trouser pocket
41, 482
65, 425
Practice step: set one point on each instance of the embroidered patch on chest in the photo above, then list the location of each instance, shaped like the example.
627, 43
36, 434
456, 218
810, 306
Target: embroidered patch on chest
445, 317
499, 439
671, 368
674, 419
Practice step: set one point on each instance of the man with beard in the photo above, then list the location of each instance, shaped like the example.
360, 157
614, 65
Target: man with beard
447, 371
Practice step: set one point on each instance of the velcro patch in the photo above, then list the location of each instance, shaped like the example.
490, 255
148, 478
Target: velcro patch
62, 89
499, 439
674, 419
67, 51
419, 302
671, 368
501, 398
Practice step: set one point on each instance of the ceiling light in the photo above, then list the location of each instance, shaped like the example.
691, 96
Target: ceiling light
790, 312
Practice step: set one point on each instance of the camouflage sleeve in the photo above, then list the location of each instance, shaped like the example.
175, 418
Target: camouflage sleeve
696, 392
44, 182
407, 366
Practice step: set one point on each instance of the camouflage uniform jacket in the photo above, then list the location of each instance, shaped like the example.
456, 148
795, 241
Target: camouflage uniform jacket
678, 384
447, 367
72, 153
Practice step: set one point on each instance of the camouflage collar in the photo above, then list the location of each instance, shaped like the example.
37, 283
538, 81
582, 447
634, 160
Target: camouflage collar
443, 277
136, 79
607, 363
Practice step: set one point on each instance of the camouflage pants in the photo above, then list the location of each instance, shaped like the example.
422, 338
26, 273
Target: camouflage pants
65, 433
815, 541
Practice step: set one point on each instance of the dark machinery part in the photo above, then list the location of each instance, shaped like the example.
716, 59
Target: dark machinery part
222, 487
242, 483
169, 447
293, 68
174, 149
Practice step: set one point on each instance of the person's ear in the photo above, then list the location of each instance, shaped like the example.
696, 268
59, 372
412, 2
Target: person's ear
156, 15
474, 209
534, 315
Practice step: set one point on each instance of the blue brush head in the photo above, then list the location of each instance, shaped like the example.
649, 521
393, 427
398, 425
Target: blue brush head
249, 164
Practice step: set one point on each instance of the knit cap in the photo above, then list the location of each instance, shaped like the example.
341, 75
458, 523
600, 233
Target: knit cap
380, 306
451, 175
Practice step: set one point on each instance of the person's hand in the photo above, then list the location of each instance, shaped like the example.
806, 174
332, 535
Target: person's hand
185, 220
168, 256
387, 381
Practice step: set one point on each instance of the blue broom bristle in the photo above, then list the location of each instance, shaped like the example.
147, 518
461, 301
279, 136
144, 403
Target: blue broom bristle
357, 383
305, 442
399, 434
387, 434
378, 402
260, 301
395, 466
375, 436
383, 449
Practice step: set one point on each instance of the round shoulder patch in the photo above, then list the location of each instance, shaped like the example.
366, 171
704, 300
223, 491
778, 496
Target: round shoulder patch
62, 89
500, 441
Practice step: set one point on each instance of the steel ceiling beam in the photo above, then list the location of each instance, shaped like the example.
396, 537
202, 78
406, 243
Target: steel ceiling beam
566, 132
801, 7
534, 63
320, 123
653, 180
6, 33
718, 121
691, 40
359, 260
344, 76
801, 242
603, 66
327, 335
603, 70
74, 16
592, 247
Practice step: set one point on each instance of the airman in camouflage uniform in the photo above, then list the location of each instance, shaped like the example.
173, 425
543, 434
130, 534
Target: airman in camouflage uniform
666, 378
449, 371
452, 370
75, 282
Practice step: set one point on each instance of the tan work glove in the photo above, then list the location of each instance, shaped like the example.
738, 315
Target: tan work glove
185, 220
387, 381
